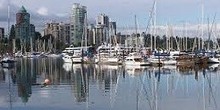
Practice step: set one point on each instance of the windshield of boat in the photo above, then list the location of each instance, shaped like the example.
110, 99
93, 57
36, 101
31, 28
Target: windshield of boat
137, 59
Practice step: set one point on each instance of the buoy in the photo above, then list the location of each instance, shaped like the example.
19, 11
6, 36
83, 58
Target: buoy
47, 81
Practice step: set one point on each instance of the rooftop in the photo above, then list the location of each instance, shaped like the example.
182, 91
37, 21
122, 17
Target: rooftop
22, 10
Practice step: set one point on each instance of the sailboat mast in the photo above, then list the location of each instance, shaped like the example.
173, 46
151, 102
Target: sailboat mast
202, 6
136, 32
85, 21
8, 18
31, 41
151, 37
155, 18
8, 34
208, 35
167, 38
186, 35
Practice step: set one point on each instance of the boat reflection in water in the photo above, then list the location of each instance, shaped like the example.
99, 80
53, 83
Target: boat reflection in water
116, 87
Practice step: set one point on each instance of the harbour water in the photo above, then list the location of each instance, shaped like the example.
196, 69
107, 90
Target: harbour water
106, 87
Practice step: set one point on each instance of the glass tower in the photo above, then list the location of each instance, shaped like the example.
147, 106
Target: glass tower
77, 23
24, 31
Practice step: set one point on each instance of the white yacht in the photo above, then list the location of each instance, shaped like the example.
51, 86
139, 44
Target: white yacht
7, 62
104, 58
108, 54
72, 59
213, 60
75, 59
75, 55
167, 58
135, 59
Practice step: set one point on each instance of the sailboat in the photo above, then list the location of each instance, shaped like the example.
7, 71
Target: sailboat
8, 60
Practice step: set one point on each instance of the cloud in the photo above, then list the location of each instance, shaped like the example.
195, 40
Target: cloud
1, 4
4, 12
42, 11
38, 17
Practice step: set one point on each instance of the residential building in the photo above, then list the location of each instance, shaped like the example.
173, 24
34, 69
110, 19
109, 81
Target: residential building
52, 29
66, 33
91, 34
58, 31
112, 26
77, 23
102, 29
102, 20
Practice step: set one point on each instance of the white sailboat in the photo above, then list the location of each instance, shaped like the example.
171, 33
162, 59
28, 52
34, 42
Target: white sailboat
8, 60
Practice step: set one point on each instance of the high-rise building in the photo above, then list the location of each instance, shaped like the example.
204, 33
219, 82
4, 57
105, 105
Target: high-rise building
112, 27
102, 29
102, 20
52, 29
1, 33
91, 34
65, 33
23, 29
59, 31
77, 23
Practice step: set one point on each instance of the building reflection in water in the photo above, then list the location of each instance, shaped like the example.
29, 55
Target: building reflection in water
80, 82
82, 75
150, 82
24, 75
107, 75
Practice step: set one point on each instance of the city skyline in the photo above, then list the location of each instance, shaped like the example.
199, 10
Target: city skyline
123, 11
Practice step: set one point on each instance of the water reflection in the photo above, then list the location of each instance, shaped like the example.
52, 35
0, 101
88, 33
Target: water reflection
80, 82
24, 76
81, 86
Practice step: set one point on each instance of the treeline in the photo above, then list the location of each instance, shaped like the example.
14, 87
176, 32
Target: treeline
175, 42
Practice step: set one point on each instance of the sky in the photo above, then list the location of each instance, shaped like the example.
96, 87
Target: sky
173, 12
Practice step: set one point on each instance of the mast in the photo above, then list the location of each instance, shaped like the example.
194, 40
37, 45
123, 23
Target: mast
84, 35
154, 24
151, 38
136, 32
149, 25
202, 21
186, 34
85, 21
167, 38
208, 47
210, 29
31, 41
8, 20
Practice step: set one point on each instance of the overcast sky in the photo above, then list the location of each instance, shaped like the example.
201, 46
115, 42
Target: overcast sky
121, 11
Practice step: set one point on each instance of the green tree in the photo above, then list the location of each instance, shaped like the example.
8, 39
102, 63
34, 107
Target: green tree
12, 33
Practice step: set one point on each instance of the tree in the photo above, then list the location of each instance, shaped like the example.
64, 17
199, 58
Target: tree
37, 36
12, 33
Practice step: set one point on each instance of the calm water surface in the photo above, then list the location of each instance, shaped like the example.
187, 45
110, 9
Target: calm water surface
103, 87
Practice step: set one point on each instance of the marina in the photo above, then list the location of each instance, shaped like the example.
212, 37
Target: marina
101, 87
109, 55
